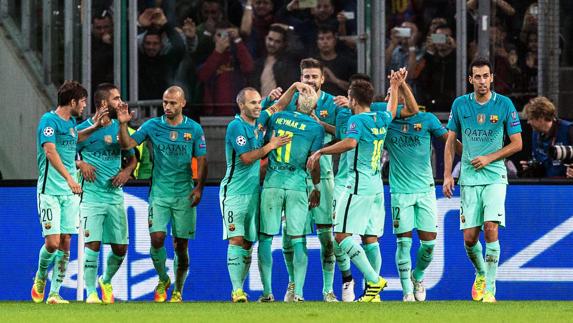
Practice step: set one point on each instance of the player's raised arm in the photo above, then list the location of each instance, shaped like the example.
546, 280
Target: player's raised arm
54, 158
124, 116
395, 80
101, 114
411, 105
449, 151
285, 99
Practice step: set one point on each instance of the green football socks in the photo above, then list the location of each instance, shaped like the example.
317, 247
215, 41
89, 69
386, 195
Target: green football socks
404, 263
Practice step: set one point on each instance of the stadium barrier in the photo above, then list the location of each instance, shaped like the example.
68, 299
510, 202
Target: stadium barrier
535, 264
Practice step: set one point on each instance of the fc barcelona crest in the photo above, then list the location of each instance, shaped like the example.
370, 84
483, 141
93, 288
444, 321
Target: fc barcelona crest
417, 126
493, 118
323, 113
405, 128
173, 135
256, 131
231, 227
108, 139
481, 118
187, 136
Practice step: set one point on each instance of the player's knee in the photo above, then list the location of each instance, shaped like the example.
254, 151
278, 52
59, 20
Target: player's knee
119, 250
157, 242
52, 245
339, 237
93, 246
237, 241
247, 245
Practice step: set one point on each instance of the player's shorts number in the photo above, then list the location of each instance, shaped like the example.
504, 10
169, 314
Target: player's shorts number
230, 217
396, 213
46, 215
376, 154
287, 147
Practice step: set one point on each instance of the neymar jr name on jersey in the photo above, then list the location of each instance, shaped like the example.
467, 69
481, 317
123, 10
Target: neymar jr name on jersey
291, 123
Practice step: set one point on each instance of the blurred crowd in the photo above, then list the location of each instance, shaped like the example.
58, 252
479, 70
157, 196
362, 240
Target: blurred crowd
214, 48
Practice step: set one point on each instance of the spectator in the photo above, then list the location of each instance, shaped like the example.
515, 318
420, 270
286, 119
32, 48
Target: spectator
258, 16
186, 76
211, 13
157, 69
102, 49
530, 64
548, 131
436, 71
276, 68
223, 73
338, 67
503, 78
321, 16
404, 51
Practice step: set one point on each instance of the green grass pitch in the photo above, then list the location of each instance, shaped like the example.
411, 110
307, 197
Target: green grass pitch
435, 311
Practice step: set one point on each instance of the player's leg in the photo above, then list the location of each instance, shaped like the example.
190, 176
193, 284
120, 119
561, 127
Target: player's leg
70, 206
234, 211
402, 226
159, 214
494, 216
425, 223
115, 233
322, 217
272, 202
92, 219
183, 229
180, 266
288, 254
49, 214
471, 220
251, 232
298, 223
342, 258
354, 220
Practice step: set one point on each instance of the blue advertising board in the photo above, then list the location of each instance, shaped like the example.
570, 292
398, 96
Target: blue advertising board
536, 261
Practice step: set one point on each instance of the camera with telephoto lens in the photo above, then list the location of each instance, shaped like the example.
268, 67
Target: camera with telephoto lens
561, 152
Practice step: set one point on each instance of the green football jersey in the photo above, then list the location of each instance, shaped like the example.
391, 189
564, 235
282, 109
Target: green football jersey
341, 124
241, 137
52, 128
482, 131
409, 146
369, 130
287, 164
102, 150
326, 110
173, 149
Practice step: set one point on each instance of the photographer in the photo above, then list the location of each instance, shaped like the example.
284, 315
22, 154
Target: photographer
548, 131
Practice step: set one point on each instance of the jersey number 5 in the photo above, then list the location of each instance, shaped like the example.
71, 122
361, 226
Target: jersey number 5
286, 150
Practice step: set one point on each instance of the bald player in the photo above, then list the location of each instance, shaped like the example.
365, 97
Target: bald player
176, 139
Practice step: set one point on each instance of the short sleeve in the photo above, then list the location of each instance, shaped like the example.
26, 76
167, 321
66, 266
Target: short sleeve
512, 123
386, 117
318, 139
453, 120
354, 128
265, 117
47, 130
200, 146
237, 136
436, 127
143, 132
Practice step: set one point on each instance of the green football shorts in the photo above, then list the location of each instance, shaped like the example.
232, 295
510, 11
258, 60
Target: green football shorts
59, 214
482, 203
104, 222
